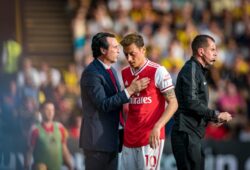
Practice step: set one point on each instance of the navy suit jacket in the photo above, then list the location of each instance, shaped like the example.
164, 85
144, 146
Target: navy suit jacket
101, 107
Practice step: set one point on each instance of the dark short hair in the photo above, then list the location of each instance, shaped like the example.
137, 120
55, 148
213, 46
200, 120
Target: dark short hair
100, 41
200, 41
132, 38
45, 103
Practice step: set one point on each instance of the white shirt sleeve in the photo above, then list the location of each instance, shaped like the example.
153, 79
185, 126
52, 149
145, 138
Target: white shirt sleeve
163, 80
127, 94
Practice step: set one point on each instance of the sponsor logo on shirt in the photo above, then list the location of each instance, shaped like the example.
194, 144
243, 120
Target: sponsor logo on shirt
140, 100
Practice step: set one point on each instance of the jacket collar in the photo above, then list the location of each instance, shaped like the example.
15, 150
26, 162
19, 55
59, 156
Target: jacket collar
104, 65
102, 70
204, 69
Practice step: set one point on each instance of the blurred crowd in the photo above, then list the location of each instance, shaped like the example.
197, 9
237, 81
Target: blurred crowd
168, 27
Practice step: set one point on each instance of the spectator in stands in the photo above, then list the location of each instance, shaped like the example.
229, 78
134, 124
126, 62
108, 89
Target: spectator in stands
28, 71
9, 103
28, 115
231, 100
71, 79
100, 19
29, 89
49, 75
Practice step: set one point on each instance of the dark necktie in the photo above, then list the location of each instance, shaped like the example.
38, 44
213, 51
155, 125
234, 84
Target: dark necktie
111, 74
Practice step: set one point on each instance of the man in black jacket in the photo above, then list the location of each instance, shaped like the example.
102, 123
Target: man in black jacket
193, 112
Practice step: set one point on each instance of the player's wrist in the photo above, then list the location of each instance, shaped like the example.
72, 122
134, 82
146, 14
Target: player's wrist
130, 90
157, 126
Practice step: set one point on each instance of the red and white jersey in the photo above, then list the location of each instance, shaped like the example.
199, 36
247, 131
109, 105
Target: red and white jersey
146, 107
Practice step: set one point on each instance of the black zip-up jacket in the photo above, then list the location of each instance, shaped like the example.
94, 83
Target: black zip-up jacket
192, 94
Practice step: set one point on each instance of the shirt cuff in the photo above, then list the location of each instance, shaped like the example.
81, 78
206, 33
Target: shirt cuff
127, 94
216, 113
215, 116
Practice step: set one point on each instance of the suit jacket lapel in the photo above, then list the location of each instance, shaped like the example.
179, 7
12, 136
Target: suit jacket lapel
105, 74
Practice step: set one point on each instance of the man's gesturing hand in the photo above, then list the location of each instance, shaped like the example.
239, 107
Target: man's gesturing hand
224, 117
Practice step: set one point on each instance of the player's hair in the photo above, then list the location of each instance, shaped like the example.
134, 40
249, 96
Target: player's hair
132, 38
200, 41
100, 41
42, 106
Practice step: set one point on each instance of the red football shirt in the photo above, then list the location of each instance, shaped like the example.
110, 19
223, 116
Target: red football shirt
146, 107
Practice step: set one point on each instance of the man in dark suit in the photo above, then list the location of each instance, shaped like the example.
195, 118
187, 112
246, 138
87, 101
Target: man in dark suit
102, 101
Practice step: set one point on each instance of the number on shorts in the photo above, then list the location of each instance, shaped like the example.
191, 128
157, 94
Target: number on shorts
150, 160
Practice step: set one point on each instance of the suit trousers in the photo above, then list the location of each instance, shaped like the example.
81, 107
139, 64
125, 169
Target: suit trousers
187, 151
98, 160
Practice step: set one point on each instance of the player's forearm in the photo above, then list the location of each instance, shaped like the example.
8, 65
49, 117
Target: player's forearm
168, 113
170, 110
